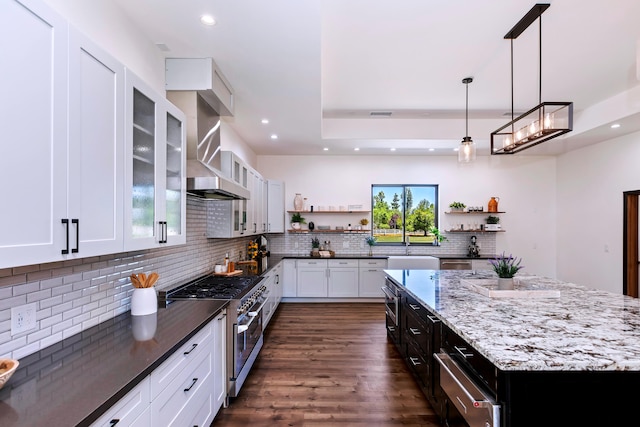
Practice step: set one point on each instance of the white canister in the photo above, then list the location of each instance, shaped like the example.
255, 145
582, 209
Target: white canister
144, 301
144, 327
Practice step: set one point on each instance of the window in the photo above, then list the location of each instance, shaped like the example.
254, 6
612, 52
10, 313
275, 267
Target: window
404, 213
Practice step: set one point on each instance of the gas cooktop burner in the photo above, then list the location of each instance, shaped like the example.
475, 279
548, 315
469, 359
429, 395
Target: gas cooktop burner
214, 287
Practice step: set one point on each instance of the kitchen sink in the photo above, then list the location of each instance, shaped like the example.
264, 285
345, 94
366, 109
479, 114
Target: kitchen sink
413, 262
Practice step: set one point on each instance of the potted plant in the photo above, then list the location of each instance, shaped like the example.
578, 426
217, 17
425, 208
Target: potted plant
437, 236
506, 267
371, 241
315, 246
493, 223
296, 220
364, 222
457, 206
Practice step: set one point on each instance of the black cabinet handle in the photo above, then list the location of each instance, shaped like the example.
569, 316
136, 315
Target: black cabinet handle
114, 422
77, 223
193, 347
163, 232
193, 382
66, 222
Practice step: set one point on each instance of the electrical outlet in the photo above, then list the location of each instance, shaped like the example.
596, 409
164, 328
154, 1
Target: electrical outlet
23, 318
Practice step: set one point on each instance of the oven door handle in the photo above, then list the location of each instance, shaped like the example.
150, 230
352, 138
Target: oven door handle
242, 328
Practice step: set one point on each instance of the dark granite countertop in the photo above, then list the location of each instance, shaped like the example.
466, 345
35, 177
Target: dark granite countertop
73, 382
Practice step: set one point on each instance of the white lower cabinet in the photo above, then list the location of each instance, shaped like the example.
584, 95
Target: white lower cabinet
131, 410
371, 278
289, 278
187, 389
342, 278
312, 278
481, 264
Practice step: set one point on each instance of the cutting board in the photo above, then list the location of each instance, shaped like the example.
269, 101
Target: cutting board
233, 273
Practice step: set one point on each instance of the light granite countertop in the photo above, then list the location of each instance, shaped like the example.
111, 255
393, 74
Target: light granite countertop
582, 329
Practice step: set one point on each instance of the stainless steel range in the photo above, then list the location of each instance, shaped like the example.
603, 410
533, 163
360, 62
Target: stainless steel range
244, 322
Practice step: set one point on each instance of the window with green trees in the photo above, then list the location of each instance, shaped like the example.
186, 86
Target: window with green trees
404, 213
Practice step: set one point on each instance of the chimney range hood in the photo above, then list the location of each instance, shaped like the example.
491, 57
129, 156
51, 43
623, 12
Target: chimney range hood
204, 178
202, 92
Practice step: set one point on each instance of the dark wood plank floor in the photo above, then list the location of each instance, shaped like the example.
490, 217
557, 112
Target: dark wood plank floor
328, 364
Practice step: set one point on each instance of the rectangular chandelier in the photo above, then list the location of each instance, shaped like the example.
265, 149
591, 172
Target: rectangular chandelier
543, 122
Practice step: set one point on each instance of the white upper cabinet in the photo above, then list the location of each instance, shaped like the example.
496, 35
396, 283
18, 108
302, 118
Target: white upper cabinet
275, 206
33, 116
66, 147
155, 182
96, 148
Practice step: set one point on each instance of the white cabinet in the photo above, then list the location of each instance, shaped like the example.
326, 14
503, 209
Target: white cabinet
96, 148
273, 282
342, 278
371, 279
481, 264
219, 353
312, 278
289, 278
155, 181
131, 410
275, 206
66, 140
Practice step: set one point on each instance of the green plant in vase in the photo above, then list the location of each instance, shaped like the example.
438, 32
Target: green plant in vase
296, 220
438, 237
371, 241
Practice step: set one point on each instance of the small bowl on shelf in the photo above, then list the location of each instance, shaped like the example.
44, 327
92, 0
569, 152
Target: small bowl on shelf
7, 368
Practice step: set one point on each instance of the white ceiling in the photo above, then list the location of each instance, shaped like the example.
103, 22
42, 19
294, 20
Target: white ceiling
317, 68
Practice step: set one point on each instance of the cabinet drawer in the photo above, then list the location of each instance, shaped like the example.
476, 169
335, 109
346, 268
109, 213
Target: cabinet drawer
338, 263
416, 331
373, 263
312, 263
129, 410
173, 403
172, 367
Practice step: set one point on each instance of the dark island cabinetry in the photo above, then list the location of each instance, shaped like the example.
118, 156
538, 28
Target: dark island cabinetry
421, 335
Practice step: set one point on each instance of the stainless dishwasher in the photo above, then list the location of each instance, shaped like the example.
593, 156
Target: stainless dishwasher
455, 264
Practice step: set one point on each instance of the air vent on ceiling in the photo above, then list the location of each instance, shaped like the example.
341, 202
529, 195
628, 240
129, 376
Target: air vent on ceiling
380, 114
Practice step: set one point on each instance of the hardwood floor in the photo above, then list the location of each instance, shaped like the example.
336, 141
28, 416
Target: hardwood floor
328, 364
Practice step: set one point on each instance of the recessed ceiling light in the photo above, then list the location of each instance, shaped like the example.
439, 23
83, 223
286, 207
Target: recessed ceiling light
208, 20
356, 149
325, 149
274, 136
265, 121
432, 149
392, 149
615, 126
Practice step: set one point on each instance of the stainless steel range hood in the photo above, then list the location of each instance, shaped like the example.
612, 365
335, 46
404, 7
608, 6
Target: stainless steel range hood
204, 178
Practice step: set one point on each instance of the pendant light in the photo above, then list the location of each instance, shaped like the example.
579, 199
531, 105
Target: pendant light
467, 150
544, 121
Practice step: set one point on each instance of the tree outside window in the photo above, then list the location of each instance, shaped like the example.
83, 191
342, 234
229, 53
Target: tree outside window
404, 213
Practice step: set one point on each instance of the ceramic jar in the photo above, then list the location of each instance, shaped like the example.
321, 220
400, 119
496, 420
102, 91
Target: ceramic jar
144, 301
298, 202
493, 204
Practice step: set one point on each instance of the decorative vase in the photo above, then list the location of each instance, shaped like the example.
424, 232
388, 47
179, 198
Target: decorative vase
370, 250
144, 301
493, 204
298, 202
295, 225
505, 283
311, 226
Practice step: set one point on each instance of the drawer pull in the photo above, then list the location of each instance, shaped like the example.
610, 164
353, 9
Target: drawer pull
461, 350
193, 347
433, 319
193, 382
414, 307
414, 361
114, 422
414, 331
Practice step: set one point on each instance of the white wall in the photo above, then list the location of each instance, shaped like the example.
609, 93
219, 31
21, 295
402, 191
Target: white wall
590, 210
526, 186
106, 25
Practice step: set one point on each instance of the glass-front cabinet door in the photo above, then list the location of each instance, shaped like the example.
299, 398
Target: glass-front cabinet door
155, 184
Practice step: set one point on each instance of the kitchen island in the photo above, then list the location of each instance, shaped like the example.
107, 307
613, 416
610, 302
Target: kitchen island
576, 356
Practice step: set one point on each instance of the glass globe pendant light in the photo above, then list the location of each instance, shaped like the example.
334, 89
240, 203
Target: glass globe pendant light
467, 150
